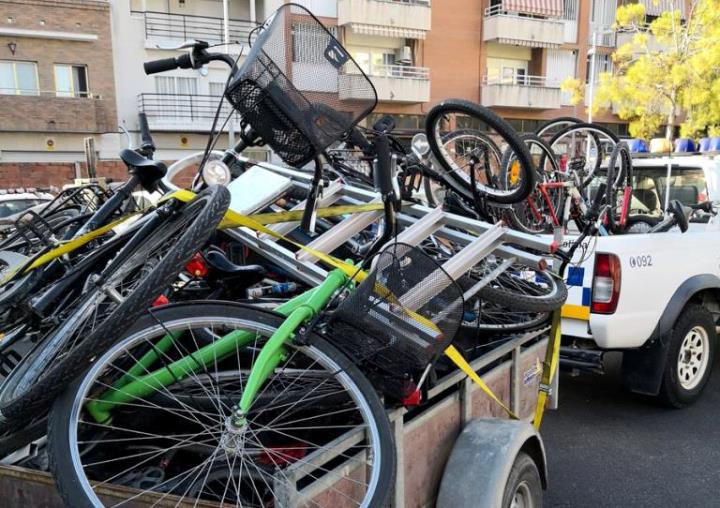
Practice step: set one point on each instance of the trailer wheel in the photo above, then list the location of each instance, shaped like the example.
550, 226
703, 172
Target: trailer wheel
523, 488
690, 357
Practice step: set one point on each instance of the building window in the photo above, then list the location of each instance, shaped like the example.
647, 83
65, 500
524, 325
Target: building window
603, 63
18, 78
309, 44
375, 62
71, 80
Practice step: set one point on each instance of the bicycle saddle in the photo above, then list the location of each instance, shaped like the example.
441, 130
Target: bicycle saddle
225, 268
149, 171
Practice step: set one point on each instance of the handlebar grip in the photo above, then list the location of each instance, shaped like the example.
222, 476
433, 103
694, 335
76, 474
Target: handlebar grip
386, 124
145, 136
168, 64
382, 176
357, 139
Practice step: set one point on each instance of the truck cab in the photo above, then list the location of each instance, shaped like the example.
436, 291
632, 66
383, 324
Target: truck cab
653, 296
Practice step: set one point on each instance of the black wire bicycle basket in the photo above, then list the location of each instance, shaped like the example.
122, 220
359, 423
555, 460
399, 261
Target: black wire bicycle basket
400, 318
299, 89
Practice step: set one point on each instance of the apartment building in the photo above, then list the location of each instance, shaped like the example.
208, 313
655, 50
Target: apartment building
56, 78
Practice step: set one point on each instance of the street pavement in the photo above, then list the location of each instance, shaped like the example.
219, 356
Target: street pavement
607, 447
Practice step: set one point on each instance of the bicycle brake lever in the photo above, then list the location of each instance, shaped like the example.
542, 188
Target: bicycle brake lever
190, 43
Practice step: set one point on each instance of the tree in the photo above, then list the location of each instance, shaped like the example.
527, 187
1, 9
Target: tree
668, 70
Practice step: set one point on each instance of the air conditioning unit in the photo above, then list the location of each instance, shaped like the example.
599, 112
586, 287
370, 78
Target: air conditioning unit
403, 55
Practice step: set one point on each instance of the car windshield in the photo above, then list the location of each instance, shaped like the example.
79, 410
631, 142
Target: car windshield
650, 184
14, 206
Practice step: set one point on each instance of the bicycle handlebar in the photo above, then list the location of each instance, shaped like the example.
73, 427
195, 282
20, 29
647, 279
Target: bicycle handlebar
168, 64
148, 145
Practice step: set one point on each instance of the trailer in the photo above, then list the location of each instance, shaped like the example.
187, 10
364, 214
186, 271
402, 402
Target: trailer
473, 442
456, 450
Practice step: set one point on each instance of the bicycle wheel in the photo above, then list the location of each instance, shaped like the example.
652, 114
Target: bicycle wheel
316, 435
536, 213
459, 142
582, 146
100, 314
619, 194
454, 114
521, 288
551, 127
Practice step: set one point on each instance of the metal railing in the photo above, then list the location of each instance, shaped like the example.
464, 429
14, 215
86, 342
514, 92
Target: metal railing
409, 2
498, 10
399, 71
605, 35
521, 80
20, 92
181, 108
163, 25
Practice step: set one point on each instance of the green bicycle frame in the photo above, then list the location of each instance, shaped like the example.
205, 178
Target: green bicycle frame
133, 385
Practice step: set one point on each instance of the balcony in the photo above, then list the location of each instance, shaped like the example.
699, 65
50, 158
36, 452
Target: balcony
162, 28
602, 35
531, 92
182, 112
625, 36
51, 111
506, 27
408, 19
394, 83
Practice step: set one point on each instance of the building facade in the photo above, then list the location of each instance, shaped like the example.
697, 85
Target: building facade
57, 82
62, 62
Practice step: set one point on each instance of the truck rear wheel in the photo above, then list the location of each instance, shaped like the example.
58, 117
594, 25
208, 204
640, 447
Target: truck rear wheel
523, 488
690, 357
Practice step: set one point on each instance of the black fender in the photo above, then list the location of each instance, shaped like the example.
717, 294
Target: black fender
643, 368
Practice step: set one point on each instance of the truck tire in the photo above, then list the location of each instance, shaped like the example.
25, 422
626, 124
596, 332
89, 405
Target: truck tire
523, 488
690, 356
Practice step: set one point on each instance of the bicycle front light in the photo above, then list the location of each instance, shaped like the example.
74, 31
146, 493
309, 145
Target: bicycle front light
216, 173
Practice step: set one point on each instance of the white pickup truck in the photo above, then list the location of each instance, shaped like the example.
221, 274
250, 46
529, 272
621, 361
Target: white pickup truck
655, 297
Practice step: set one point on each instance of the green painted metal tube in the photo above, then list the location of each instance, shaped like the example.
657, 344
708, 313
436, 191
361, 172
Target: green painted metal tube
303, 306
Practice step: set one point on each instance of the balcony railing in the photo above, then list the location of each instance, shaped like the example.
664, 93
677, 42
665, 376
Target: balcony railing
399, 71
509, 27
520, 91
163, 25
522, 80
605, 36
497, 10
408, 19
48, 93
187, 111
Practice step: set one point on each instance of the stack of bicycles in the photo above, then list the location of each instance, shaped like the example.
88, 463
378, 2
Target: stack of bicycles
241, 342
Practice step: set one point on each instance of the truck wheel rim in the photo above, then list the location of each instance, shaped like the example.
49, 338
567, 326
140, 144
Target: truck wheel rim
693, 358
523, 496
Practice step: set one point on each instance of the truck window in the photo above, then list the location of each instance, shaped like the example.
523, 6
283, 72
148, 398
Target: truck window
650, 185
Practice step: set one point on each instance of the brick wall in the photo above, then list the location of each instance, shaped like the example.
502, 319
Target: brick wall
57, 174
46, 112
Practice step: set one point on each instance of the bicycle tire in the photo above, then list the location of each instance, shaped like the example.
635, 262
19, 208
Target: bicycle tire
594, 130
620, 183
449, 184
516, 292
19, 404
504, 129
64, 421
542, 129
516, 211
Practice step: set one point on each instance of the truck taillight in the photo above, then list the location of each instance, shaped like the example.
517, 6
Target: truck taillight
606, 284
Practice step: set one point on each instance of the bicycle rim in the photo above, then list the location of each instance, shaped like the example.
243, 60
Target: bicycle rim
291, 449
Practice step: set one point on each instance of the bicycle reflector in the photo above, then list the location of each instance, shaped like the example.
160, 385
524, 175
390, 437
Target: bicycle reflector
606, 284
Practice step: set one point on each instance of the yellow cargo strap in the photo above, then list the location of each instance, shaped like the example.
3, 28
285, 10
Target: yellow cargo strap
552, 357
66, 247
331, 211
257, 223
463, 365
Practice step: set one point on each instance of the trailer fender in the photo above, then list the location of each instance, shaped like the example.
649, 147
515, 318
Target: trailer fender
643, 368
482, 457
